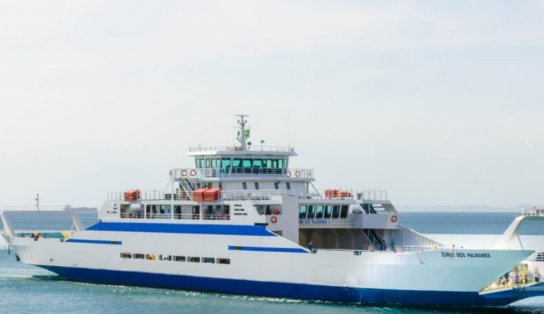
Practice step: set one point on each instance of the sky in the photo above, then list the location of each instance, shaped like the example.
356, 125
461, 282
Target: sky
437, 102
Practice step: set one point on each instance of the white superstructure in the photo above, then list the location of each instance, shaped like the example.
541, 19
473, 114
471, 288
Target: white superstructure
240, 220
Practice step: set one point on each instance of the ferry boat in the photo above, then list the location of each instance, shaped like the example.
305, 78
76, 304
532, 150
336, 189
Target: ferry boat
241, 221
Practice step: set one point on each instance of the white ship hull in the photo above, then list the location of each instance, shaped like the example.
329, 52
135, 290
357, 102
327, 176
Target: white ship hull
269, 265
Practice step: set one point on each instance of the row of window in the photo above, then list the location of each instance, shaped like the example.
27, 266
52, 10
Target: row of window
276, 185
164, 211
323, 211
243, 165
269, 209
176, 258
256, 185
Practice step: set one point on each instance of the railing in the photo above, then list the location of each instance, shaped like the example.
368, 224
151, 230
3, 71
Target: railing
199, 173
278, 149
154, 195
417, 248
325, 221
157, 195
368, 195
534, 212
254, 195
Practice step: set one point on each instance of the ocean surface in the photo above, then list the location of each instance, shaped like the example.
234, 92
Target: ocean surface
28, 289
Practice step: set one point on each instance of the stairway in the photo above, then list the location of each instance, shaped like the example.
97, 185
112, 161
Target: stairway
378, 244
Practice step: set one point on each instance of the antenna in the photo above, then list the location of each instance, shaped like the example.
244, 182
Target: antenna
243, 134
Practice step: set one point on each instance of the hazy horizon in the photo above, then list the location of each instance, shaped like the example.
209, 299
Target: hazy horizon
436, 102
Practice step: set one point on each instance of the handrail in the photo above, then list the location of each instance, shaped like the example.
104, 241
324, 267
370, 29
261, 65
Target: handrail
200, 173
158, 195
279, 149
535, 212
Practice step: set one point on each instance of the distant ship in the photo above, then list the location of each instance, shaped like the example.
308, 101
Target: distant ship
241, 221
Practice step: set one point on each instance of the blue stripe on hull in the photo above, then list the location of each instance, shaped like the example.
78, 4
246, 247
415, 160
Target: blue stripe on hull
239, 230
94, 241
281, 290
266, 249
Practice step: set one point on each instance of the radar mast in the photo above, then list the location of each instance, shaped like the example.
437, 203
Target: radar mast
243, 134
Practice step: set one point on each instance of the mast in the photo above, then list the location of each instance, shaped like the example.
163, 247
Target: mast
243, 134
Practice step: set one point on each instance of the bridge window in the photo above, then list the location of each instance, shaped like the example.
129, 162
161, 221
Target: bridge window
200, 163
344, 212
319, 212
328, 211
257, 165
336, 211
225, 165
302, 211
246, 163
311, 211
236, 164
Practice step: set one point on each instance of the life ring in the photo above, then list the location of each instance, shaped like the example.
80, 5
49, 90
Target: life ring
183, 173
288, 173
297, 173
394, 218
192, 172
274, 219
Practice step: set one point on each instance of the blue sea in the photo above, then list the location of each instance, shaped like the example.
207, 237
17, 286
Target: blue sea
28, 289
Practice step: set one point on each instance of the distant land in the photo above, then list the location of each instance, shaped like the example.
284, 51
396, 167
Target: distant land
466, 208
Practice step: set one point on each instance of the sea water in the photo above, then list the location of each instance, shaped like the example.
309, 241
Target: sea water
28, 289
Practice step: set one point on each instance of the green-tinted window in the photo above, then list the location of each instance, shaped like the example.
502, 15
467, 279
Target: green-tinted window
302, 212
207, 163
319, 212
258, 163
214, 163
246, 163
269, 164
328, 211
200, 162
336, 211
344, 212
280, 164
311, 211
225, 165
236, 163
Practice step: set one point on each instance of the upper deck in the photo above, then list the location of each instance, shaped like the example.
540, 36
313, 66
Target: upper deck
238, 150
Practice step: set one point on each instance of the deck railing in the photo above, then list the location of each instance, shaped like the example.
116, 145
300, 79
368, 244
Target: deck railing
257, 148
255, 195
539, 212
200, 173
